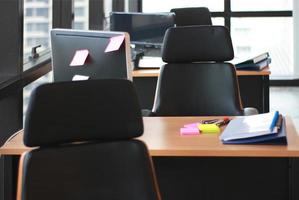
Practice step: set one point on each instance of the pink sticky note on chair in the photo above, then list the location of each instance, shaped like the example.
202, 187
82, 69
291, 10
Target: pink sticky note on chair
115, 43
193, 125
79, 57
189, 131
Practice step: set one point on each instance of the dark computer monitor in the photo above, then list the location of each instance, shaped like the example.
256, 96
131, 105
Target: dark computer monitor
99, 65
144, 28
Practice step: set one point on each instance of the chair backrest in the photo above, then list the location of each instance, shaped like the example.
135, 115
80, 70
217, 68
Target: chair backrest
85, 133
192, 16
196, 81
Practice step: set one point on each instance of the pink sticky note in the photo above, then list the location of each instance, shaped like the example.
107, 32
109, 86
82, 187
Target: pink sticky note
193, 125
80, 78
79, 57
115, 43
189, 131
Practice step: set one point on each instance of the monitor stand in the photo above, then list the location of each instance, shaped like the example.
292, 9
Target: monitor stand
142, 50
137, 54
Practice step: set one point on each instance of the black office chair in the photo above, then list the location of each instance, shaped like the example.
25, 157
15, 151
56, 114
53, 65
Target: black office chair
196, 81
192, 16
84, 132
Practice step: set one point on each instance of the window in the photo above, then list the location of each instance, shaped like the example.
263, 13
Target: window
79, 11
259, 26
37, 23
81, 14
261, 5
167, 5
218, 21
42, 12
29, 12
42, 27
79, 25
256, 26
44, 1
272, 34
29, 27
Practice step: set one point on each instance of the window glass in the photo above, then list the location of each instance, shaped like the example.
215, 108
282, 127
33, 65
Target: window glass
37, 23
218, 21
81, 14
261, 5
79, 25
252, 36
29, 27
167, 5
42, 27
28, 12
79, 11
42, 12
44, 1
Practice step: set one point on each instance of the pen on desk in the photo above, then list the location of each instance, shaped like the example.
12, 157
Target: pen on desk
223, 122
211, 121
218, 122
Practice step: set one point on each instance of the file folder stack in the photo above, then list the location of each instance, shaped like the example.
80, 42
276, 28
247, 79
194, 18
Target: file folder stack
262, 128
257, 63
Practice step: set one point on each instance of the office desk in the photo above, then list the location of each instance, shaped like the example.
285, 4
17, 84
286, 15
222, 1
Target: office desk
254, 87
161, 135
201, 167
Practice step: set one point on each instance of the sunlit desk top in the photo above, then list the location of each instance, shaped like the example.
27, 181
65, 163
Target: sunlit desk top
161, 134
155, 72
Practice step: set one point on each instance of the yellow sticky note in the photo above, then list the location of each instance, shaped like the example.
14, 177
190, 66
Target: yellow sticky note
209, 128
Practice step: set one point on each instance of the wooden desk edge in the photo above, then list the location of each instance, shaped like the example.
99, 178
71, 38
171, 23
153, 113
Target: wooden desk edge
156, 72
213, 153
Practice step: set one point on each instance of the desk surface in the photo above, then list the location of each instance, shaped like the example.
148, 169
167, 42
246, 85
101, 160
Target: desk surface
163, 139
155, 72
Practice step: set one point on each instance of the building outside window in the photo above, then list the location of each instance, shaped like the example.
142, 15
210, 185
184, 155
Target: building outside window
37, 23
81, 14
42, 12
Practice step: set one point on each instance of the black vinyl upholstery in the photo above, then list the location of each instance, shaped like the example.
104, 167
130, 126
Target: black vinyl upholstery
197, 81
108, 170
192, 16
197, 89
109, 164
63, 112
197, 43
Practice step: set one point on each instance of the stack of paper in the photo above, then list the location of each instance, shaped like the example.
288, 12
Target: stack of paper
252, 129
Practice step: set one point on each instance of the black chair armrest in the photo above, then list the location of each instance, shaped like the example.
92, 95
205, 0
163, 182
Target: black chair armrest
250, 111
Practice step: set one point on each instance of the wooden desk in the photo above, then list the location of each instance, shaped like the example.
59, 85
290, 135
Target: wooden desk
194, 167
254, 87
161, 134
163, 139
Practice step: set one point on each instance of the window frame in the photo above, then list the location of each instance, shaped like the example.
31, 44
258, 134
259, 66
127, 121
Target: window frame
228, 14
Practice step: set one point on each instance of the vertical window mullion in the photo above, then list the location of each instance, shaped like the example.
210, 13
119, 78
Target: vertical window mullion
227, 14
63, 14
96, 14
118, 5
